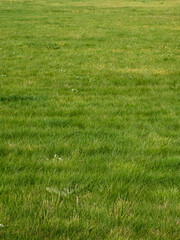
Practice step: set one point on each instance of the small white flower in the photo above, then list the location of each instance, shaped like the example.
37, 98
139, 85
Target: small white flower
56, 156
1, 225
74, 90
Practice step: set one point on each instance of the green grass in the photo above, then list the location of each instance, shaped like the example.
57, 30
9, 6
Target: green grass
97, 83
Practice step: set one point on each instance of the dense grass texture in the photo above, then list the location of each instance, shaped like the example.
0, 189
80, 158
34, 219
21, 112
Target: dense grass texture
89, 119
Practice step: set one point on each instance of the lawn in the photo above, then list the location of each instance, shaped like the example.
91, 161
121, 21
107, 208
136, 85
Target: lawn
89, 119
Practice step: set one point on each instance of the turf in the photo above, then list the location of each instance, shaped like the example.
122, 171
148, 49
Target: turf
89, 119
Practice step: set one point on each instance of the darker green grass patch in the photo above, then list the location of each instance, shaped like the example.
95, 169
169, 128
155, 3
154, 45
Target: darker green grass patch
20, 98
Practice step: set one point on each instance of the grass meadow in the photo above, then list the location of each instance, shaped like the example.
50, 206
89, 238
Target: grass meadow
89, 119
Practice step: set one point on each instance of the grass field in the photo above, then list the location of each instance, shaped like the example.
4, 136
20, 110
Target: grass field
89, 119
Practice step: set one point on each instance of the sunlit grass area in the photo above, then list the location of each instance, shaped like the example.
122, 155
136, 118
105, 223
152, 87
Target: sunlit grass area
89, 119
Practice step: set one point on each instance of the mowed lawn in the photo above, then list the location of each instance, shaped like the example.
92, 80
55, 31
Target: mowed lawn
89, 119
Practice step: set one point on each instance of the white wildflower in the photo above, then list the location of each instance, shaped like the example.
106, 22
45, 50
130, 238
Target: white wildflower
74, 90
57, 157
